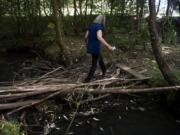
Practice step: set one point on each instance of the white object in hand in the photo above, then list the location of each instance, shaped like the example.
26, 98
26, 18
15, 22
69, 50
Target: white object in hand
113, 48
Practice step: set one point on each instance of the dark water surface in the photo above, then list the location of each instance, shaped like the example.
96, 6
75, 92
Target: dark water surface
121, 118
151, 122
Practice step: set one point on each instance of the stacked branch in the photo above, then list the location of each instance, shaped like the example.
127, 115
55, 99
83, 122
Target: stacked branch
27, 94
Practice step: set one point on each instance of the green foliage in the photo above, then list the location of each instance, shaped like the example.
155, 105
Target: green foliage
144, 32
169, 32
51, 25
157, 78
50, 33
119, 40
9, 128
170, 36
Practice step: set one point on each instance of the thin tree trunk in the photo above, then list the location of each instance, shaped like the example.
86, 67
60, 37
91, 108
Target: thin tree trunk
39, 9
123, 7
58, 25
92, 3
86, 7
75, 10
137, 9
85, 12
80, 7
168, 8
68, 12
112, 7
75, 16
163, 66
157, 11
141, 12
63, 7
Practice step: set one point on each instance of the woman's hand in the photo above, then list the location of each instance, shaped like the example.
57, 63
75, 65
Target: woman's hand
111, 48
103, 41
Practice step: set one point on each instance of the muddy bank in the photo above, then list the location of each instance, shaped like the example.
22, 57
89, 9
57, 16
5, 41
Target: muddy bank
10, 65
19, 65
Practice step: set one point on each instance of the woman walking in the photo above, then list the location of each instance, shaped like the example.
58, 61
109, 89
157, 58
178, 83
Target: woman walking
94, 39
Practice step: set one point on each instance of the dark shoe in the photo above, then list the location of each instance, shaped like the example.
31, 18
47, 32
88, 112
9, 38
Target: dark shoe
104, 73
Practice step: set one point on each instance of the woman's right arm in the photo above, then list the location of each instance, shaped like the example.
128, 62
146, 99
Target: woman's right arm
86, 37
102, 40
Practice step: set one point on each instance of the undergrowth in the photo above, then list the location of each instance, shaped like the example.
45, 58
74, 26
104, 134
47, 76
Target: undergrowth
157, 78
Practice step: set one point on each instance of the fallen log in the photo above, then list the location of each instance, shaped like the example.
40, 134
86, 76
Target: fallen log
40, 90
32, 88
38, 87
16, 104
45, 75
32, 103
114, 90
121, 90
36, 102
130, 71
124, 79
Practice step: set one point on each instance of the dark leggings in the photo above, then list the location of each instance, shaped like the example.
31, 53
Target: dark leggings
95, 59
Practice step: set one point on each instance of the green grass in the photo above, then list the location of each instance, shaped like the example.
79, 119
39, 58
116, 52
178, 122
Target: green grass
10, 128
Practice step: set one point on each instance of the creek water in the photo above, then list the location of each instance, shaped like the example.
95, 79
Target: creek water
116, 115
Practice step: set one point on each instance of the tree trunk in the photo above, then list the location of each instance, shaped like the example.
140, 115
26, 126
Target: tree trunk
80, 7
112, 7
92, 3
85, 12
75, 16
168, 8
157, 11
58, 25
86, 8
141, 12
163, 66
123, 7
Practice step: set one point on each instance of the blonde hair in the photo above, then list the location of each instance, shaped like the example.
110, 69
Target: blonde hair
100, 19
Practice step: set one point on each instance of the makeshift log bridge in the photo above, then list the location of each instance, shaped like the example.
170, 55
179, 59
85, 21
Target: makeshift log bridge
120, 79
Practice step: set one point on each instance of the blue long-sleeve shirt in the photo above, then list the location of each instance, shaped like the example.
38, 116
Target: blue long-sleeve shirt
94, 45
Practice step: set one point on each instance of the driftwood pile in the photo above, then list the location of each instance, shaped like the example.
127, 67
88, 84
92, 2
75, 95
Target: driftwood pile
62, 81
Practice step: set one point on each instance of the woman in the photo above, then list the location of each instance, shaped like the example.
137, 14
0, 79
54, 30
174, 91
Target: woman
94, 39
